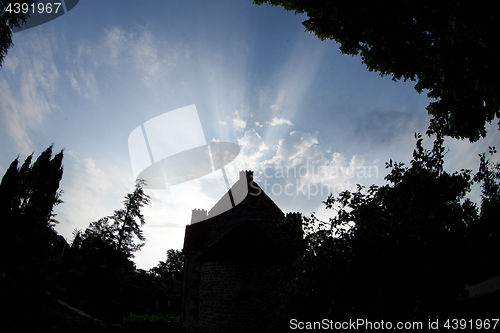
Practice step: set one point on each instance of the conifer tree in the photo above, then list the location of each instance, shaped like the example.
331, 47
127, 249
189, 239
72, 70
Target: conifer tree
28, 195
124, 220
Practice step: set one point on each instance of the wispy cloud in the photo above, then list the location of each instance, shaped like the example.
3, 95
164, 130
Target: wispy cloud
279, 121
116, 41
148, 59
26, 101
10, 64
383, 127
140, 49
87, 193
73, 82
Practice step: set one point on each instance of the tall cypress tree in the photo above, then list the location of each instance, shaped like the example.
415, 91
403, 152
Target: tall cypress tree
28, 195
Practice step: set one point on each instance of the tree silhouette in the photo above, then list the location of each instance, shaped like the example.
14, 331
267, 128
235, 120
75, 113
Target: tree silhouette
120, 229
447, 47
124, 220
28, 195
489, 175
171, 268
99, 266
485, 241
9, 20
400, 252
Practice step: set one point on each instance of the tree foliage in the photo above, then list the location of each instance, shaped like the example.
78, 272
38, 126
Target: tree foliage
95, 273
403, 251
446, 46
32, 189
119, 231
99, 265
124, 220
30, 247
9, 20
489, 175
172, 268
28, 195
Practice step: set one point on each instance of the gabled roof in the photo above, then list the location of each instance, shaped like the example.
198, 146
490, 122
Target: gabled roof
244, 187
254, 218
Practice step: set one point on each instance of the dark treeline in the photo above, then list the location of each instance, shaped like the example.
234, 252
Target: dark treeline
401, 252
94, 274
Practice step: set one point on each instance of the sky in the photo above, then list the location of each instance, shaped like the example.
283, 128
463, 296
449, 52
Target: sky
308, 120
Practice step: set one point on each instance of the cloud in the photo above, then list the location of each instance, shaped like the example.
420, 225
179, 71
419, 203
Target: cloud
147, 57
279, 121
83, 65
297, 147
275, 107
115, 42
152, 57
252, 149
25, 101
382, 127
89, 194
258, 124
73, 81
239, 123
139, 49
10, 64
301, 166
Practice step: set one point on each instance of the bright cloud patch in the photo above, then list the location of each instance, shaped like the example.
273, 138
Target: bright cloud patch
279, 121
302, 167
239, 123
252, 149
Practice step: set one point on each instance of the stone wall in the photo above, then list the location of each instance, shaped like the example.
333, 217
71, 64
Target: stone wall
230, 295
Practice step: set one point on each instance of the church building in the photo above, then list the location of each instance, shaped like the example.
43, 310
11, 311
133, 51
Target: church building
230, 253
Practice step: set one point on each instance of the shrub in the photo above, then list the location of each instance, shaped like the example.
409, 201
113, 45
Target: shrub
153, 323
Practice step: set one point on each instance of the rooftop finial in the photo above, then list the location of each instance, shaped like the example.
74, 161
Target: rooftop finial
248, 174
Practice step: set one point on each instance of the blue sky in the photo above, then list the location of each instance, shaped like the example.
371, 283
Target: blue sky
86, 80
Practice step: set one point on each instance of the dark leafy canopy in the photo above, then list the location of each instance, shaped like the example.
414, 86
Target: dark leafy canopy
448, 47
170, 269
400, 251
489, 175
9, 20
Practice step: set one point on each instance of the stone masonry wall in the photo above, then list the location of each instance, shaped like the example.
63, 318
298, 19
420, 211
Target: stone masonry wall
228, 294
